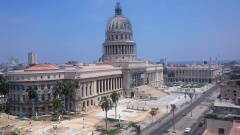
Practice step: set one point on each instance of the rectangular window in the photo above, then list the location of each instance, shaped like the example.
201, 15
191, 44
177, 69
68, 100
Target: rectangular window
42, 96
48, 77
23, 96
221, 131
49, 96
42, 87
235, 94
49, 86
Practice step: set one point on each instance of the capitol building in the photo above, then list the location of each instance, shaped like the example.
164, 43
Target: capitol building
118, 69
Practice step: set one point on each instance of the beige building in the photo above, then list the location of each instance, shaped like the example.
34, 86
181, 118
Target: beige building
117, 70
231, 89
206, 73
224, 119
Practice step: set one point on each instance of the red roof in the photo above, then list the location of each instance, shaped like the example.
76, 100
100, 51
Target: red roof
235, 130
40, 67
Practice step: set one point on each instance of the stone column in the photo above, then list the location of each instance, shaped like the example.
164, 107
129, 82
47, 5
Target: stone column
84, 90
101, 86
105, 85
119, 85
114, 84
110, 85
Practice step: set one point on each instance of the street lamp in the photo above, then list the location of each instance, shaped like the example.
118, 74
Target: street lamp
30, 127
55, 129
119, 121
83, 122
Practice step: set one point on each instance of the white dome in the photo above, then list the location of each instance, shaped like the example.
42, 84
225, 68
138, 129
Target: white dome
118, 22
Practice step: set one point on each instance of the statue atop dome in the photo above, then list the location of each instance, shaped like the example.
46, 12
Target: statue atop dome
118, 9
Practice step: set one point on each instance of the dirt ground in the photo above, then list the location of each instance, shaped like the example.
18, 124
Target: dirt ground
85, 123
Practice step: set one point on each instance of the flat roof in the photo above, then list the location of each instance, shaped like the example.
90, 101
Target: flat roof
225, 103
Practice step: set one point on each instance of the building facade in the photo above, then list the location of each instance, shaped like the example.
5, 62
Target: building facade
32, 58
117, 70
196, 73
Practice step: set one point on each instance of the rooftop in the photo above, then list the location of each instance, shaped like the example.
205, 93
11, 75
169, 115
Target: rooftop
225, 103
204, 66
235, 128
41, 67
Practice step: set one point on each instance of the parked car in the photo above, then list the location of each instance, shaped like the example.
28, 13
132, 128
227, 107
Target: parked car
187, 130
200, 124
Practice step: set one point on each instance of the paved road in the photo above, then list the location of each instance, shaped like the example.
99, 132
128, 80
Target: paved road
163, 128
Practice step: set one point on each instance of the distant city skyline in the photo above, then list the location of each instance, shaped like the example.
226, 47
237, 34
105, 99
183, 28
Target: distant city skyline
60, 31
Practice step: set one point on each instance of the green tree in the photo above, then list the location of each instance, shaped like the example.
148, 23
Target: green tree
57, 104
105, 104
115, 97
68, 88
3, 87
171, 74
136, 128
32, 95
165, 71
173, 108
58, 88
191, 97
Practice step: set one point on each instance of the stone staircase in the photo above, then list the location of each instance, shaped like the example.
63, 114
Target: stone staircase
150, 92
140, 94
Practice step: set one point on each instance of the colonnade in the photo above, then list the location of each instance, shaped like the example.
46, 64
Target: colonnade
109, 84
119, 50
87, 88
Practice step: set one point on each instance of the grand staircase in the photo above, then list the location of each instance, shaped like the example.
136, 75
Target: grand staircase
148, 92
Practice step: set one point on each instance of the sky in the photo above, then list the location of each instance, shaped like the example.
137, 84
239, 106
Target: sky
65, 30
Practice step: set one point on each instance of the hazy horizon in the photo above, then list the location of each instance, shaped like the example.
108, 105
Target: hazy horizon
60, 30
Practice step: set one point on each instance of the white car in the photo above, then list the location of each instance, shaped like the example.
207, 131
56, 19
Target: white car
187, 130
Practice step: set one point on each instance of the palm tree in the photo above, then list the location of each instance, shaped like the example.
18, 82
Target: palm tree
32, 94
115, 97
58, 89
185, 95
191, 96
136, 128
3, 87
173, 107
152, 112
105, 104
67, 92
75, 86
57, 104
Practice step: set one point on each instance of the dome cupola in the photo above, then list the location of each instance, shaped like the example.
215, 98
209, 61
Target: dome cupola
119, 44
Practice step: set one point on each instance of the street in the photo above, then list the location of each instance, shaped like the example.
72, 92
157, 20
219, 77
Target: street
182, 119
